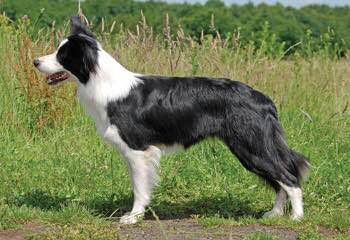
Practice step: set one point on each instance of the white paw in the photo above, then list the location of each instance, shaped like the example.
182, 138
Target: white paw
273, 213
131, 218
297, 216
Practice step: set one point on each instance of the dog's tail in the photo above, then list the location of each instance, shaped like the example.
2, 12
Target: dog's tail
293, 163
302, 164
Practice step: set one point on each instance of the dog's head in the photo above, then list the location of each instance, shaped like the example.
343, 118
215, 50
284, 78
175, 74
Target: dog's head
76, 56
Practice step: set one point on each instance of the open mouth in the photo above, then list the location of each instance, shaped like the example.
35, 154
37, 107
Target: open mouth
58, 77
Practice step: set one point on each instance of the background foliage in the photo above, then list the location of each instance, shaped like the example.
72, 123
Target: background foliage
286, 26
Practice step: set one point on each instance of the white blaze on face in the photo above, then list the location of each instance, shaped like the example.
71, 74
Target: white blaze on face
49, 63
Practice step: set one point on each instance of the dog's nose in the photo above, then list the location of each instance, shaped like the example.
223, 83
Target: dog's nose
36, 62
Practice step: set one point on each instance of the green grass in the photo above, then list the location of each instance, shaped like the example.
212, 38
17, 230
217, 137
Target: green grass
54, 168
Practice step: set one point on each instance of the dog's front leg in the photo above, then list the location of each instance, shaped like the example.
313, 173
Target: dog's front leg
143, 168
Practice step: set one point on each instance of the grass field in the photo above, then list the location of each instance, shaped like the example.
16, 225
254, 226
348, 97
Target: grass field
56, 172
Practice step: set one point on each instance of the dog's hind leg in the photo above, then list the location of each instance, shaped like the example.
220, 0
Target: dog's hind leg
262, 149
296, 197
270, 158
143, 168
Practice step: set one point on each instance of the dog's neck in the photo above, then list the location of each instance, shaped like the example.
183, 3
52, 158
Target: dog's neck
110, 82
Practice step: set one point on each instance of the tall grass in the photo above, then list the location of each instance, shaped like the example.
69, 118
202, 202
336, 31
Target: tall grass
53, 166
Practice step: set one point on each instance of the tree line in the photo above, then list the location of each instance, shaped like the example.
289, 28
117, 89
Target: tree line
289, 26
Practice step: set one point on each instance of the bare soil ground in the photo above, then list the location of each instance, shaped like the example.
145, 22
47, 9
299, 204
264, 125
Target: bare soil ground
189, 229
175, 230
20, 234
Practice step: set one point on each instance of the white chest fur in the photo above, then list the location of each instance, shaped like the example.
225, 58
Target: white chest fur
111, 82
95, 109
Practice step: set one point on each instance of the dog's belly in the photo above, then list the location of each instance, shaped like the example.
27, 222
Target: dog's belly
169, 149
112, 136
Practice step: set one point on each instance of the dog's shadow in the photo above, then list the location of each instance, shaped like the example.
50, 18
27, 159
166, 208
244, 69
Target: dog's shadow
41, 199
113, 206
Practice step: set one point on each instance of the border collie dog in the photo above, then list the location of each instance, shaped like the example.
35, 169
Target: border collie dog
146, 117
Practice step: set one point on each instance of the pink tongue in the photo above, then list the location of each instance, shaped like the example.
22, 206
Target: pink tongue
55, 76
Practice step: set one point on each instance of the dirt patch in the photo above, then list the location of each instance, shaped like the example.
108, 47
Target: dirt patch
173, 230
329, 233
189, 229
20, 234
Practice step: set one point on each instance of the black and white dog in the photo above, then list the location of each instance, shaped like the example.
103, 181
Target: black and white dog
145, 117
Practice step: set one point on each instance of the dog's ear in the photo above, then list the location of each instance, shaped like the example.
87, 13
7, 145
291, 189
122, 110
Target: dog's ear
79, 27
